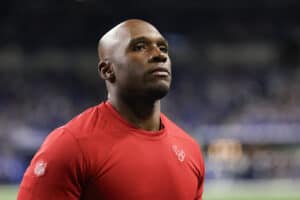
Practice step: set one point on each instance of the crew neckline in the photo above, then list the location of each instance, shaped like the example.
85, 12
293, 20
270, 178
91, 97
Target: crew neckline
132, 128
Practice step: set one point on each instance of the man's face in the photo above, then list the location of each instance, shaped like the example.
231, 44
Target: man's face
141, 62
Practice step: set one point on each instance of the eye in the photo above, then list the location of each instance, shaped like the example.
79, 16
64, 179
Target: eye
139, 46
163, 48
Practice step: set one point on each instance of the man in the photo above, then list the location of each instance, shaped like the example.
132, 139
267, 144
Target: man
124, 148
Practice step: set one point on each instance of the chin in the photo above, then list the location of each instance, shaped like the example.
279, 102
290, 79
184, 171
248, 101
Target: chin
158, 92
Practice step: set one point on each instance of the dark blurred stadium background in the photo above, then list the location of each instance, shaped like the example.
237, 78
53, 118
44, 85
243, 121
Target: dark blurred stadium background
236, 85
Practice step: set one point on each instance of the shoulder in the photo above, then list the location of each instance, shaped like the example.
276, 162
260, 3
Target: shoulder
87, 121
176, 131
73, 140
59, 150
59, 145
187, 141
58, 164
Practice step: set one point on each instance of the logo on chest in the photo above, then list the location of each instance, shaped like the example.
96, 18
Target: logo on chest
179, 152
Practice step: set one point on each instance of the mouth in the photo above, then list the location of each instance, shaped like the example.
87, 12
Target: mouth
159, 71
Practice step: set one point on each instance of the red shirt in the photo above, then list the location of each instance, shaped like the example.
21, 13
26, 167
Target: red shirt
99, 155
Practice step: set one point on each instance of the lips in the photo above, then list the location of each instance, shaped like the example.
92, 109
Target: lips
159, 71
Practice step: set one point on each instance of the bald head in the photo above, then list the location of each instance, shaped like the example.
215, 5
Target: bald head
112, 42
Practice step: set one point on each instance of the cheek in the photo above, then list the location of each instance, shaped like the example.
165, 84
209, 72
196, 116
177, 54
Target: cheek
135, 66
137, 62
130, 75
131, 68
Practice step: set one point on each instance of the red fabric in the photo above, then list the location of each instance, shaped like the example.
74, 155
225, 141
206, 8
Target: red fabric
99, 155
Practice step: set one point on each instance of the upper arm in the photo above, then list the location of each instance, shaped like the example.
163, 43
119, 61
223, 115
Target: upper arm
201, 173
56, 170
200, 190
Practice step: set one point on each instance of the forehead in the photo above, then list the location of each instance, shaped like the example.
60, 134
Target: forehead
115, 42
137, 30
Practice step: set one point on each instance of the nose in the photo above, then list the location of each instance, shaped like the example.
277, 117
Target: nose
157, 55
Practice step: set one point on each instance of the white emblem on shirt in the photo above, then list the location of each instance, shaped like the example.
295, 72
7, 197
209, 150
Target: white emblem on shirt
40, 168
179, 152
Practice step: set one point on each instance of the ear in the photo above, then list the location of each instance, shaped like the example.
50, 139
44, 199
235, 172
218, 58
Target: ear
106, 71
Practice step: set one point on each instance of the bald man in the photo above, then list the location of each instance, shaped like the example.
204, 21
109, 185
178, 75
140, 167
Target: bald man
123, 148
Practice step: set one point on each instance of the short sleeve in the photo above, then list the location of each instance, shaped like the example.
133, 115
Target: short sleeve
56, 171
200, 190
201, 175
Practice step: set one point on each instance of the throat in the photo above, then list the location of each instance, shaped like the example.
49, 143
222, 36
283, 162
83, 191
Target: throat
148, 125
140, 114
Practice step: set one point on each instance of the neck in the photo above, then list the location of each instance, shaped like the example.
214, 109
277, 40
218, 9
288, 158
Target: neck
144, 115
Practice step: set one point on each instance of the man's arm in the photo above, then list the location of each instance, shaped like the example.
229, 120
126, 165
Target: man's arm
56, 171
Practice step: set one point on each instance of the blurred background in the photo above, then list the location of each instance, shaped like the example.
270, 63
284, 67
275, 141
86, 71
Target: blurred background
236, 85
